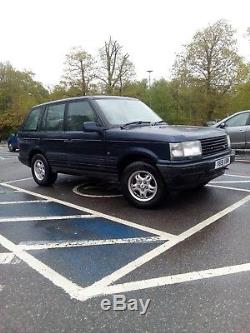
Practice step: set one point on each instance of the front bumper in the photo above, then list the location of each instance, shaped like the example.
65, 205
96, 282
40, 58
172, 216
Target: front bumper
192, 174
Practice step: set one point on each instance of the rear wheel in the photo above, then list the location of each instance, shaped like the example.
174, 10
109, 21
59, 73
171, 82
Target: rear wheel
142, 185
41, 171
11, 148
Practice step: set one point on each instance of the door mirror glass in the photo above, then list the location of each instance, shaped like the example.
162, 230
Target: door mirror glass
91, 126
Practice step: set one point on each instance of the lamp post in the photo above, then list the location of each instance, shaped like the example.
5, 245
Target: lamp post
149, 85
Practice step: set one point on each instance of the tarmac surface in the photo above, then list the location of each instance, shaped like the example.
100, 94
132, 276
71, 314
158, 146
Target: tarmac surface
65, 248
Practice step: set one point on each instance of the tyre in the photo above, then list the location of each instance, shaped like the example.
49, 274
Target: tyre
41, 171
142, 185
11, 148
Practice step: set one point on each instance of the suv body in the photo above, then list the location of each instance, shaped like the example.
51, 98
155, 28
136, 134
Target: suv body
121, 139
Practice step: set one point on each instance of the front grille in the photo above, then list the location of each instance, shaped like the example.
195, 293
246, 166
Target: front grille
214, 146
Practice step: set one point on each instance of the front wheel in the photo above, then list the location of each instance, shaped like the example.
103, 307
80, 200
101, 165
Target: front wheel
41, 171
142, 185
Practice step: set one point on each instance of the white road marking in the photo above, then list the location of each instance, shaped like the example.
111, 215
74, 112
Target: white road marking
30, 246
1, 287
243, 161
229, 188
173, 279
8, 258
22, 202
239, 176
166, 235
230, 181
18, 180
107, 280
57, 279
2, 158
101, 286
43, 218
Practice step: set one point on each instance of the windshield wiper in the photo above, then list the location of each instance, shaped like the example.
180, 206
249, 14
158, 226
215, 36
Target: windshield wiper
159, 122
139, 122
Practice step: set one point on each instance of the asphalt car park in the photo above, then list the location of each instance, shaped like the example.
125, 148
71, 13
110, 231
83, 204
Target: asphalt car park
65, 248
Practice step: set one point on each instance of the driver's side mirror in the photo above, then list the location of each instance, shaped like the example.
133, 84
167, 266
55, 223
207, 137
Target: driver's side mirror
91, 126
222, 125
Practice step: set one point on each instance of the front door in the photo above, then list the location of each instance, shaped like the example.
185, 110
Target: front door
236, 127
85, 150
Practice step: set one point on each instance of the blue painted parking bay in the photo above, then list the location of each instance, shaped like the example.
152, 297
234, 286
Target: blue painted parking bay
83, 265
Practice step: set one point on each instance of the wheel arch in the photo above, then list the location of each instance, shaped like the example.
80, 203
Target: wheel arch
136, 156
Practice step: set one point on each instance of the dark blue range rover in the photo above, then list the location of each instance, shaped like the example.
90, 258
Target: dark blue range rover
120, 138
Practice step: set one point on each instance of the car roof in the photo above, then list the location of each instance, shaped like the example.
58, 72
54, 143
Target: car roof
83, 97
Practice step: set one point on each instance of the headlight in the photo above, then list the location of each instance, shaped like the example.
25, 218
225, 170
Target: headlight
228, 141
181, 150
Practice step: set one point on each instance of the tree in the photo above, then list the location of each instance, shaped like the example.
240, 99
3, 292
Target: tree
18, 92
115, 69
79, 70
211, 63
248, 33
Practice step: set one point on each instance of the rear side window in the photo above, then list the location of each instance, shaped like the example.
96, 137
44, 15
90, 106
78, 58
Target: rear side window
54, 118
32, 121
78, 113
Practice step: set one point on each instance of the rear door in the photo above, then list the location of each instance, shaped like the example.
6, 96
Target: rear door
85, 150
236, 127
29, 136
53, 135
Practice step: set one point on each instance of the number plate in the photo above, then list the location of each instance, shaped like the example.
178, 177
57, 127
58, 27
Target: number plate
222, 162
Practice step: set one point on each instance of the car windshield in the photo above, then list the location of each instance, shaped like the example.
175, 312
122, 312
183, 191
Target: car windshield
122, 111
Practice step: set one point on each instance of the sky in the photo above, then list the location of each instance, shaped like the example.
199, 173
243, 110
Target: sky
36, 34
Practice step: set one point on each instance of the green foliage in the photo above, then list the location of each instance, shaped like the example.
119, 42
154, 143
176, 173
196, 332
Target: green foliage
18, 92
211, 63
210, 81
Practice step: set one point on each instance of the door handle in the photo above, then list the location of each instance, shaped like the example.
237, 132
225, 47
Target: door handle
67, 140
241, 130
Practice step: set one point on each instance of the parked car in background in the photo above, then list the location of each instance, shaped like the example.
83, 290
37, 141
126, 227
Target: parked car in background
13, 144
122, 139
238, 128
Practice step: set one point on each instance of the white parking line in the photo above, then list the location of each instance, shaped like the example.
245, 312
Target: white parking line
44, 218
1, 287
18, 180
166, 235
98, 287
237, 176
173, 279
22, 202
229, 188
30, 246
8, 258
57, 279
230, 181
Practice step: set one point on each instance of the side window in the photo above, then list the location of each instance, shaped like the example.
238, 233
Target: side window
239, 120
31, 122
54, 118
78, 113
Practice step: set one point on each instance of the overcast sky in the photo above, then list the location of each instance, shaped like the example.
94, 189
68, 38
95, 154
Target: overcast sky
36, 34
